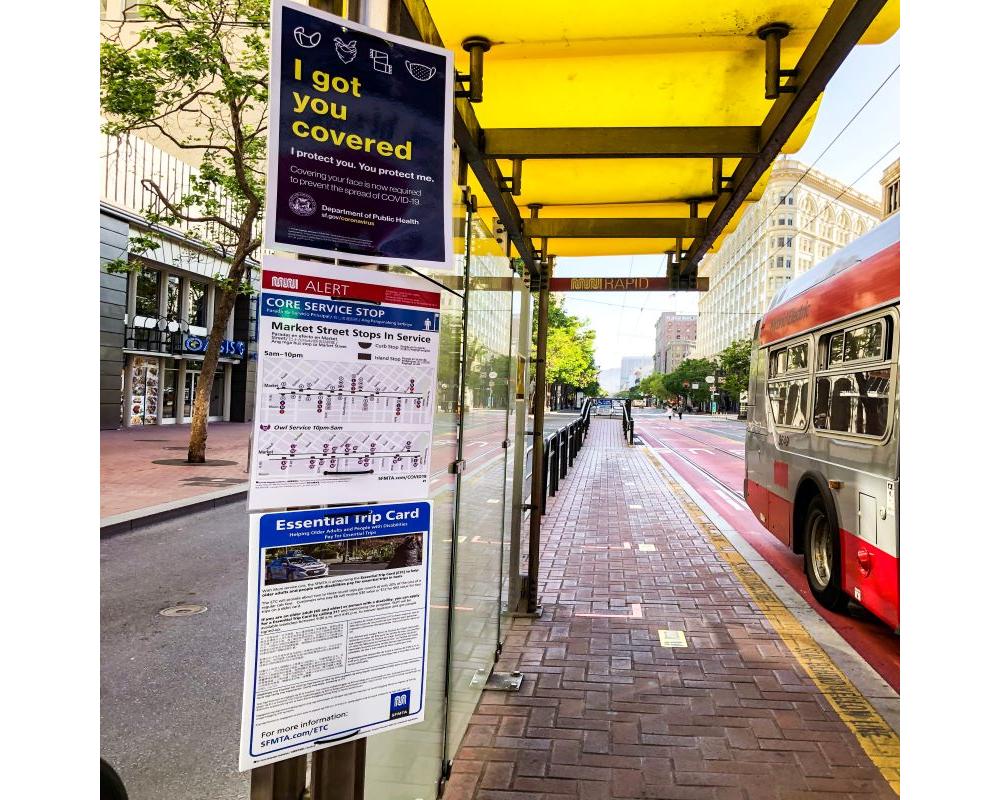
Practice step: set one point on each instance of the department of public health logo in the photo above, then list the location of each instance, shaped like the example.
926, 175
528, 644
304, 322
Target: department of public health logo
302, 204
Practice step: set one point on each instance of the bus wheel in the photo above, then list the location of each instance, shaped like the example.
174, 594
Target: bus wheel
822, 556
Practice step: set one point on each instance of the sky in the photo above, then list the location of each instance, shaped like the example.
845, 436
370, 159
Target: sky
625, 322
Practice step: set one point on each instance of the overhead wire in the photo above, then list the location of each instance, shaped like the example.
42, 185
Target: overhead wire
781, 200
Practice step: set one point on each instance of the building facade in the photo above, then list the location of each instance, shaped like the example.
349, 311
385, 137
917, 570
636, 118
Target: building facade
803, 217
675, 340
890, 189
156, 316
633, 370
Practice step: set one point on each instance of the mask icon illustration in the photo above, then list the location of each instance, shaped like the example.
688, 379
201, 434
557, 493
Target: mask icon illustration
420, 71
307, 40
346, 51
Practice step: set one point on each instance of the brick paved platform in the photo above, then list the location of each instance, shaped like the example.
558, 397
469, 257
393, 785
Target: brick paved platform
131, 479
606, 712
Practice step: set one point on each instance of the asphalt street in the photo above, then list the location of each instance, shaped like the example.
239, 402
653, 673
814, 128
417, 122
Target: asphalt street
170, 686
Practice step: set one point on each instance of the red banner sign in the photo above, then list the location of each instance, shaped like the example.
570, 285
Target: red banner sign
348, 290
617, 285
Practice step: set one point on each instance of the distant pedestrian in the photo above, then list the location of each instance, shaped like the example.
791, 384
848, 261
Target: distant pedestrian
680, 411
670, 412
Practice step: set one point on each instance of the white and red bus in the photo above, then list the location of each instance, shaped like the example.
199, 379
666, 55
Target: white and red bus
822, 444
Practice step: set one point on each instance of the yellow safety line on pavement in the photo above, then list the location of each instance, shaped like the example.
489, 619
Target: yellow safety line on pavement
876, 737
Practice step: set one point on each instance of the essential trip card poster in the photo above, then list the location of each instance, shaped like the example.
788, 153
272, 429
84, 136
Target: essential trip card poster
346, 379
336, 645
359, 159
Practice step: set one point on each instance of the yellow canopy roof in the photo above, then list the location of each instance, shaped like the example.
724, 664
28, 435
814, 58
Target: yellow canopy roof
643, 64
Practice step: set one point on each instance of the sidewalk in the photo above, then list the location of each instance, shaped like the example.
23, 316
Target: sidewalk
144, 467
750, 709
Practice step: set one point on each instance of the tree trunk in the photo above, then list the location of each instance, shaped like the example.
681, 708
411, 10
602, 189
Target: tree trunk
203, 394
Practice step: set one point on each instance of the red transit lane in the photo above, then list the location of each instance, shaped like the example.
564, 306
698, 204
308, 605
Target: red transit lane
705, 458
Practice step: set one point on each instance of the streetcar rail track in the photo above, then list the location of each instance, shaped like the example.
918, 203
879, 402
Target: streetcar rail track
722, 485
708, 444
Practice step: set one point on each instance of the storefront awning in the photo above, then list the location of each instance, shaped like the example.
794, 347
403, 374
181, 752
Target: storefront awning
648, 110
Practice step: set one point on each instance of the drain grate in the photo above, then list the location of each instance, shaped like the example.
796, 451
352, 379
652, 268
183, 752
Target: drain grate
183, 610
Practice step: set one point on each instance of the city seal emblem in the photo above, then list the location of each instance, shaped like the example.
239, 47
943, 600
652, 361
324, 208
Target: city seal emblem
302, 204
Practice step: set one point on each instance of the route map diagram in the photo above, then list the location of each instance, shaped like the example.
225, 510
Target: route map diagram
309, 391
319, 454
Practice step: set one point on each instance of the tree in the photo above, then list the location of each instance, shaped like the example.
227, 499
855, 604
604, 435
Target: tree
653, 385
734, 364
196, 75
570, 360
691, 371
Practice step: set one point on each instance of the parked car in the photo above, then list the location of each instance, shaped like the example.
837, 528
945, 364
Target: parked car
296, 567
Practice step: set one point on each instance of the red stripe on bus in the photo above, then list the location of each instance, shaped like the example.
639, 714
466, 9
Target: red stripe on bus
781, 474
867, 284
873, 573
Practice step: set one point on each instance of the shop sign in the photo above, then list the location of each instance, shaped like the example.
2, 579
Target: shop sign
359, 158
227, 348
336, 644
346, 386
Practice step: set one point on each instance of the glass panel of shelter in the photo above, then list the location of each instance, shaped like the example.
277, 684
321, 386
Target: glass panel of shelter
479, 547
407, 762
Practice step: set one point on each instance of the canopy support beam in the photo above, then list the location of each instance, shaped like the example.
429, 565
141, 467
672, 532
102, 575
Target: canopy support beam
614, 228
841, 29
731, 141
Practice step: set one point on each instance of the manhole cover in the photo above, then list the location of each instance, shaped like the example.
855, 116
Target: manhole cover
183, 610
183, 462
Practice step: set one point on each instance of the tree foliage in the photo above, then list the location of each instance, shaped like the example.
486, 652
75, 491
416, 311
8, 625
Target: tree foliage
196, 76
570, 359
691, 371
734, 364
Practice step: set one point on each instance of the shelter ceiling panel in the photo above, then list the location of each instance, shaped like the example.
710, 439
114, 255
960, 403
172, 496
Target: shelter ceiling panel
722, 87
530, 28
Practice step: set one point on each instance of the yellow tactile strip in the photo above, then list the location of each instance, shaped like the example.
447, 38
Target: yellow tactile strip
876, 737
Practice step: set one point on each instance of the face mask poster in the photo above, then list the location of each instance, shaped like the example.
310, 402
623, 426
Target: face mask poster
359, 160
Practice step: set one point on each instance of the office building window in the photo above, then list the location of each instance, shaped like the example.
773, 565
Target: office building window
147, 292
173, 297
198, 304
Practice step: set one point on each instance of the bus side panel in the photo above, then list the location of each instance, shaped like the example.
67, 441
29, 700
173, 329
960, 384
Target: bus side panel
779, 518
879, 590
757, 500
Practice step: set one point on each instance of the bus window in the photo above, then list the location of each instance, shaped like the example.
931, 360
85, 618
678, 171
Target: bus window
798, 356
789, 403
779, 362
836, 349
864, 342
855, 403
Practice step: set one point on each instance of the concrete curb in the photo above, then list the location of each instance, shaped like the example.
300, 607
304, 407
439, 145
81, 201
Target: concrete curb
142, 517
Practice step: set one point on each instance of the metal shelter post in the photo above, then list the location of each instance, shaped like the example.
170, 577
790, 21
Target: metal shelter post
538, 460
